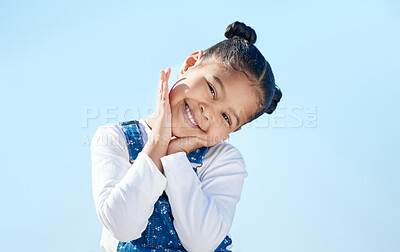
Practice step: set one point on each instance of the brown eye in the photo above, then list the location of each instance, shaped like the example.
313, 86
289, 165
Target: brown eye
211, 89
226, 118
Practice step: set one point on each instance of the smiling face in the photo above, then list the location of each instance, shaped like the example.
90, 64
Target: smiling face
210, 100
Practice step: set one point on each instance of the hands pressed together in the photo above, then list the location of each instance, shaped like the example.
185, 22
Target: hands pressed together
161, 142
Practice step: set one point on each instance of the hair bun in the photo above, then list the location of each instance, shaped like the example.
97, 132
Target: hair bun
275, 100
242, 31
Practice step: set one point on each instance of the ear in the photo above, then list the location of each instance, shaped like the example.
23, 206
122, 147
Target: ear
191, 61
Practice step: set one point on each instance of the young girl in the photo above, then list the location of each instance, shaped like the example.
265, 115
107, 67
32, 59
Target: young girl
169, 182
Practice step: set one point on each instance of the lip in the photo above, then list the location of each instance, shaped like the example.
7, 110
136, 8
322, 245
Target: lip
185, 115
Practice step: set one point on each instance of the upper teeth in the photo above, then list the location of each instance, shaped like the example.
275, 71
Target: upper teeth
189, 114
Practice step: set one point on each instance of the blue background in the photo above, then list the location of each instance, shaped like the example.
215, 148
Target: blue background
323, 169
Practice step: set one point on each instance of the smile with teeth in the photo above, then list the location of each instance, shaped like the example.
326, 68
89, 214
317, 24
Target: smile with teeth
190, 116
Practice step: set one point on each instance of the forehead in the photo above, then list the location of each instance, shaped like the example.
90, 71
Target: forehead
239, 94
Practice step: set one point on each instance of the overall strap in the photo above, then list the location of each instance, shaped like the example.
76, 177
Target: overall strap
197, 155
135, 143
133, 138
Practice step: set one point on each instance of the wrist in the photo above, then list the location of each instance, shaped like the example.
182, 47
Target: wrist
173, 147
155, 152
175, 150
161, 142
155, 149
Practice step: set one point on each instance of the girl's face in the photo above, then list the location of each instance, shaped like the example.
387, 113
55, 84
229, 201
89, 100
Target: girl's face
210, 101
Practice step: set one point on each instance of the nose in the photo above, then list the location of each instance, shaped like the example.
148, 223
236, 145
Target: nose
206, 113
211, 114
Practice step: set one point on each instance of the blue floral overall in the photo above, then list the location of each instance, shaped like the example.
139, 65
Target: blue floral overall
160, 234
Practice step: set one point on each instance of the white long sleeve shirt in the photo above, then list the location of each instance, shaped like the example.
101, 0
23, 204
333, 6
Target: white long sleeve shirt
203, 205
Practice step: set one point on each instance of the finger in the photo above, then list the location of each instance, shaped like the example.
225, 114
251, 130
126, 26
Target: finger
163, 76
162, 79
165, 91
188, 144
162, 91
160, 86
166, 97
198, 142
159, 94
168, 73
220, 139
210, 141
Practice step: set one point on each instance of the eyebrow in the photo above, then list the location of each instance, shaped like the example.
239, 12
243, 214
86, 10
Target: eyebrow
221, 85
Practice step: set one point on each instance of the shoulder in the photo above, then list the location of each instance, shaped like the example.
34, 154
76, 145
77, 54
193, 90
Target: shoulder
223, 158
108, 135
224, 151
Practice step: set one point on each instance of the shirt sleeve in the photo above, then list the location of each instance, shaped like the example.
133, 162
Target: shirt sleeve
124, 193
203, 207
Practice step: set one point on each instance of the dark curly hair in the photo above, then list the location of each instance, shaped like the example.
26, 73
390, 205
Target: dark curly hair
239, 54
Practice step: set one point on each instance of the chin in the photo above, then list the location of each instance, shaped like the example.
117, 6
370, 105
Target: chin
179, 127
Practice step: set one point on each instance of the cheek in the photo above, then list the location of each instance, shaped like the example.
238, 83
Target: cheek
176, 95
173, 94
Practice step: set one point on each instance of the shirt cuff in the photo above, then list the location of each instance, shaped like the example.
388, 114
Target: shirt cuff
177, 165
159, 179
